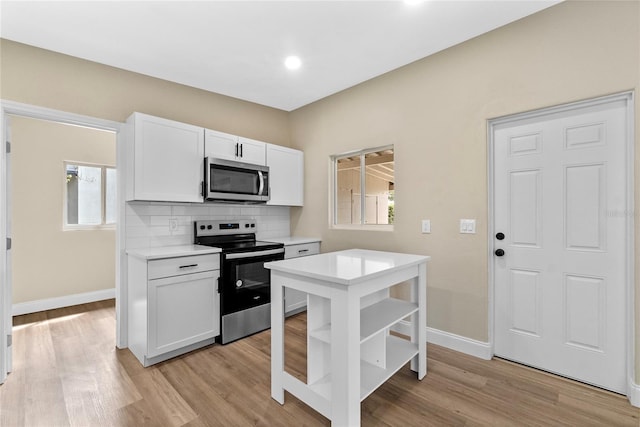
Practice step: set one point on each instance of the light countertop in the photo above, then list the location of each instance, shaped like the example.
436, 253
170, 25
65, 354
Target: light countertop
290, 240
348, 267
172, 251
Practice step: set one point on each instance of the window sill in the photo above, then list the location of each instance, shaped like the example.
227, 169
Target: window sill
88, 227
358, 227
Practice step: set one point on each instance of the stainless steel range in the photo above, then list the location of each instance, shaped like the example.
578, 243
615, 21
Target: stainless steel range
245, 286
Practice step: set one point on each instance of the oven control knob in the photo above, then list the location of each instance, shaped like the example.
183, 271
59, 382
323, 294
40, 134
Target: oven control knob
209, 227
246, 226
238, 283
202, 227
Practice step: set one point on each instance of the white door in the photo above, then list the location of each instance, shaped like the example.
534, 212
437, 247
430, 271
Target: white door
560, 191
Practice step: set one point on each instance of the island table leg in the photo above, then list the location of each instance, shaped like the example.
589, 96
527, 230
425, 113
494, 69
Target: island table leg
345, 359
277, 338
419, 321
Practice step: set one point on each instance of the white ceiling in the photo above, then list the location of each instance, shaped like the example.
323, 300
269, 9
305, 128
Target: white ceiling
237, 48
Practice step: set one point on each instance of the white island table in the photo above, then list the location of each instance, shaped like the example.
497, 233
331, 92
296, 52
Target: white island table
350, 351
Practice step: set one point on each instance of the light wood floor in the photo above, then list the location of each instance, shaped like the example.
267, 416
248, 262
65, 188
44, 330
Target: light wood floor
67, 371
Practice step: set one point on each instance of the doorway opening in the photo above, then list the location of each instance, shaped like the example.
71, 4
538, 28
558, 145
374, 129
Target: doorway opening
63, 226
12, 113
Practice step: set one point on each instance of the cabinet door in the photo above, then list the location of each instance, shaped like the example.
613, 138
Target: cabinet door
221, 145
286, 176
168, 160
182, 310
252, 151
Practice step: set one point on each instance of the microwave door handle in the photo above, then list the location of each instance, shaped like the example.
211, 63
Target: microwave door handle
261, 189
207, 178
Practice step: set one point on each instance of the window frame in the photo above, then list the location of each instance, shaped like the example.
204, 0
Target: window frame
333, 196
103, 198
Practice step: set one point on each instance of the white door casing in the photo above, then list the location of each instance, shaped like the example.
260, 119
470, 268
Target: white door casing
6, 290
561, 198
8, 108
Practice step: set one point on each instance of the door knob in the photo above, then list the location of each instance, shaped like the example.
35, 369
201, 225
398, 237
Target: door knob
499, 252
500, 236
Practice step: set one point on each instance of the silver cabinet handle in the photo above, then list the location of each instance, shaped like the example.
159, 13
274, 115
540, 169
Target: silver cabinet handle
188, 266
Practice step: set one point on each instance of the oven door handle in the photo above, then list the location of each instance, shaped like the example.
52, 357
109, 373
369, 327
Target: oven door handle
254, 254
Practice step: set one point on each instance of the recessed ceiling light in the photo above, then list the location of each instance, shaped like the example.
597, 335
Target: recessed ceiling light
292, 62
412, 2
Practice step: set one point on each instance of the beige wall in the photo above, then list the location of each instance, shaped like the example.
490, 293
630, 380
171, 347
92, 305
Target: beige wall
435, 112
47, 261
48, 79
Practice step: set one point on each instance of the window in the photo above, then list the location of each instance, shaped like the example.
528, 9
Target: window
90, 196
363, 187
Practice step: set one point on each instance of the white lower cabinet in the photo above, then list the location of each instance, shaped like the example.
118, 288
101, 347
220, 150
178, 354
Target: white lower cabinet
296, 301
174, 306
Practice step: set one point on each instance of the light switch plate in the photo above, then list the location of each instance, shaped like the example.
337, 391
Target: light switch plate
468, 226
173, 224
426, 226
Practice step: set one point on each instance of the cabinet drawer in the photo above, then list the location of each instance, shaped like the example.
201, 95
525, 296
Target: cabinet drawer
294, 251
182, 265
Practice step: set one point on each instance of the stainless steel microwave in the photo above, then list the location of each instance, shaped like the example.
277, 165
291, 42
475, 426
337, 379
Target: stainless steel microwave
231, 181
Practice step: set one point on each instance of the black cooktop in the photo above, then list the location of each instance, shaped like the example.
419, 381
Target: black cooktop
243, 246
231, 236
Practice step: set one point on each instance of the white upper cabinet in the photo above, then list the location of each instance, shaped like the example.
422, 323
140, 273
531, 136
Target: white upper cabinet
220, 145
164, 160
286, 176
252, 151
230, 147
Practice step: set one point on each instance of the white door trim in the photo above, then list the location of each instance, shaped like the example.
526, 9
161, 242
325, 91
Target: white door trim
628, 98
11, 108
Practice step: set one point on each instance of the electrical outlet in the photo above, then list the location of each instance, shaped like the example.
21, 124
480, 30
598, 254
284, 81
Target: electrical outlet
173, 224
426, 226
468, 226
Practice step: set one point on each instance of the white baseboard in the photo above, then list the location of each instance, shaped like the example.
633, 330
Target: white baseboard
451, 341
634, 393
59, 302
482, 350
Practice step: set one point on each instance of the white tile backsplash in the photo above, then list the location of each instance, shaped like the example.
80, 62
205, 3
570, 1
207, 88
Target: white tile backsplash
147, 223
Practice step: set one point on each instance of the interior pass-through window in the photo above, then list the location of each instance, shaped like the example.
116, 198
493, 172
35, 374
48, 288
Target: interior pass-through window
363, 188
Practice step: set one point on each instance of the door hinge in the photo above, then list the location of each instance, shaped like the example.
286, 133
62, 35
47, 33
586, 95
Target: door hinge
8, 243
8, 147
9, 340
